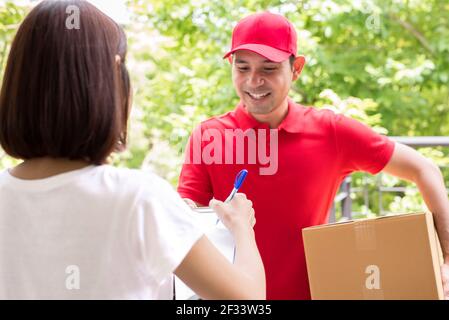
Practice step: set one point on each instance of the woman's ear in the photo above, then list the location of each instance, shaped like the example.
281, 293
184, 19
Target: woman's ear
118, 60
298, 65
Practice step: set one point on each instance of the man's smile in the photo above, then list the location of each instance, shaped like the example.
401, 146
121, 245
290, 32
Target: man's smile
258, 96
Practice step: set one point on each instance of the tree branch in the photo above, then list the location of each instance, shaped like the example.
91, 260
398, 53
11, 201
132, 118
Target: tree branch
418, 35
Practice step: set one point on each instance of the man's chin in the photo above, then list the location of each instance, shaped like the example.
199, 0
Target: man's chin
256, 108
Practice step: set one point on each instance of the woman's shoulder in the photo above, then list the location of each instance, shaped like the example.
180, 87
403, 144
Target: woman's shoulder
133, 180
144, 189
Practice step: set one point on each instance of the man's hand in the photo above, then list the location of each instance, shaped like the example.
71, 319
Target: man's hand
191, 203
410, 165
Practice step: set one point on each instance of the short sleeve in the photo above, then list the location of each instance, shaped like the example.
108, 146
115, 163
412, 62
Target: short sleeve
167, 229
194, 181
359, 147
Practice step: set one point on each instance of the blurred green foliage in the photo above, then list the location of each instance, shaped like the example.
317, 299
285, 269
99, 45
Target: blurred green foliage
383, 62
10, 17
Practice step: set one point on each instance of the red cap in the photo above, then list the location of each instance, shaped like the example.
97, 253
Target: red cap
270, 35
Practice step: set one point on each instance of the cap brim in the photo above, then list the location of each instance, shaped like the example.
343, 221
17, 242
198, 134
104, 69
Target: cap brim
268, 52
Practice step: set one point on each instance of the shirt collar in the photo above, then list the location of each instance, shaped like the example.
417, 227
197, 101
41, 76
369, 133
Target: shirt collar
292, 122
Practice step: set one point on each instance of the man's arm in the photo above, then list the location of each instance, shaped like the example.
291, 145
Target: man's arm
408, 164
194, 184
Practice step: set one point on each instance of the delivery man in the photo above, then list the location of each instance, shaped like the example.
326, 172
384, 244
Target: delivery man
296, 156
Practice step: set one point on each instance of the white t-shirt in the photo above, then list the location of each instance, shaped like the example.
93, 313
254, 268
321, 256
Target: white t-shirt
95, 233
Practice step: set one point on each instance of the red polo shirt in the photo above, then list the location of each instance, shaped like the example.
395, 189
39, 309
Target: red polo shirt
316, 150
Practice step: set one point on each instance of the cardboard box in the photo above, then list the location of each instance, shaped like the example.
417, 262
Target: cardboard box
391, 257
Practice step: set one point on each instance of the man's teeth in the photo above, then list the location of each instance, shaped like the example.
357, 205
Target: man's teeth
258, 96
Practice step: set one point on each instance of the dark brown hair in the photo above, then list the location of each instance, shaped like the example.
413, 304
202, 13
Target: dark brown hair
291, 59
64, 95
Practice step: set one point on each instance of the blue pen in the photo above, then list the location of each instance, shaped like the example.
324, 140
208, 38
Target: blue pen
237, 184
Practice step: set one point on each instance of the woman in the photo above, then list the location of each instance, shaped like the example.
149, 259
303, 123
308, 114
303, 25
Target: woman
73, 227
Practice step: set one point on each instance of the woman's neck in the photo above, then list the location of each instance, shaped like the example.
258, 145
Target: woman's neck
41, 168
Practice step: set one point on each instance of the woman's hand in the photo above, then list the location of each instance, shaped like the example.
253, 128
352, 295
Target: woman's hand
236, 214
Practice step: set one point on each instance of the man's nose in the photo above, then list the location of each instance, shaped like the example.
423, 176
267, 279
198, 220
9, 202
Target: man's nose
255, 80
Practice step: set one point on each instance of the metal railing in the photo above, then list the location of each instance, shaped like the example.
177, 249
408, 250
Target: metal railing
343, 198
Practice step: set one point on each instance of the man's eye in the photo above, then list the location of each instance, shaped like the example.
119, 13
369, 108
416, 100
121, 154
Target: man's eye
269, 69
243, 69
